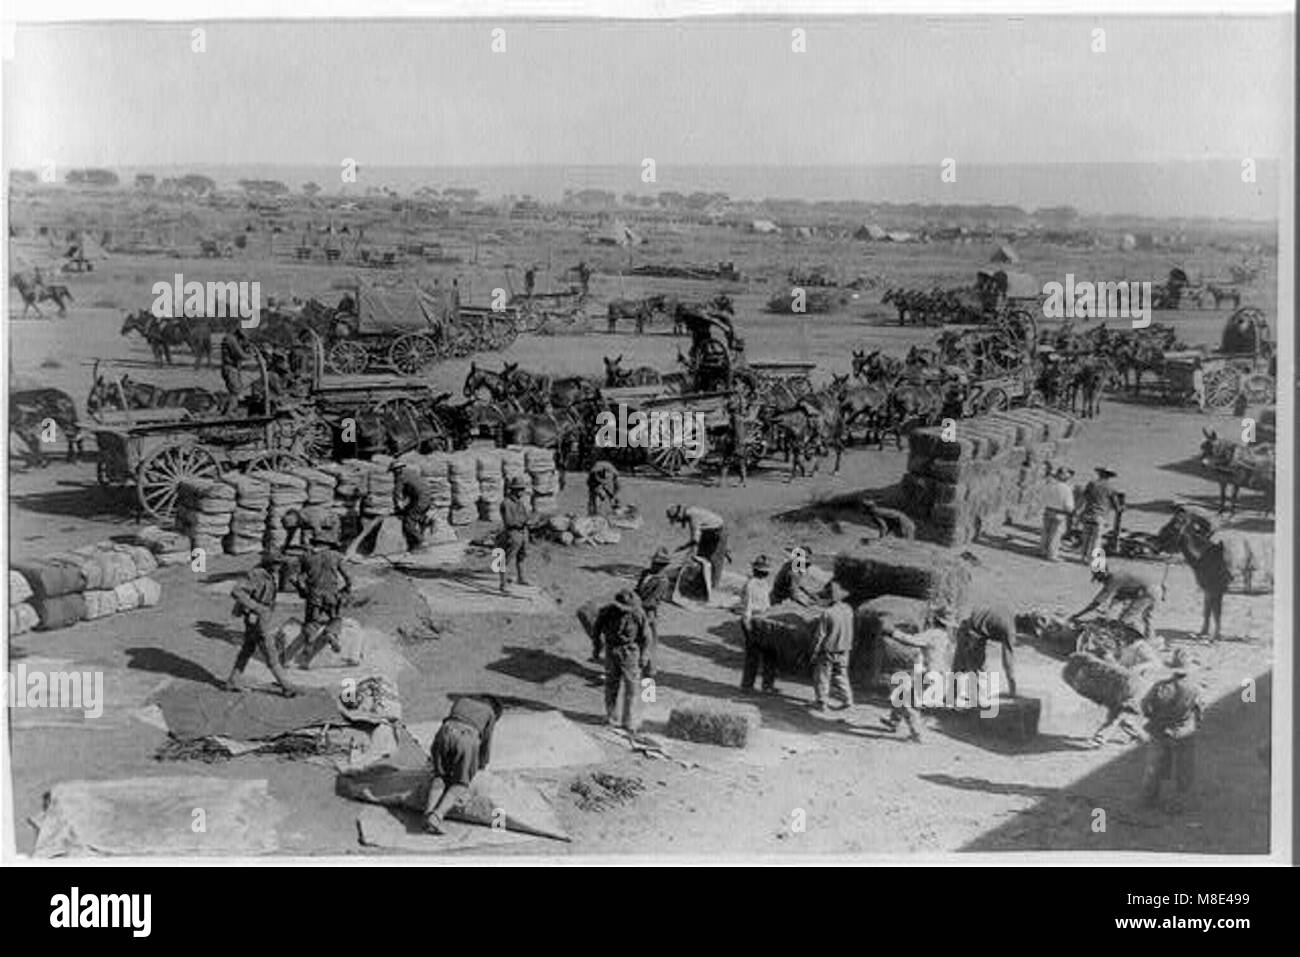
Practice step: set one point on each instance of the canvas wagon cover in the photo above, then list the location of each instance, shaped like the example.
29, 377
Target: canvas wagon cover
398, 309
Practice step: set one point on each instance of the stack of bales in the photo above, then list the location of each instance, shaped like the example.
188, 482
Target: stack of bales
512, 463
463, 473
435, 472
57, 587
90, 582
321, 508
544, 478
491, 484
117, 578
169, 548
789, 629
22, 615
288, 493
204, 511
248, 521
377, 492
992, 471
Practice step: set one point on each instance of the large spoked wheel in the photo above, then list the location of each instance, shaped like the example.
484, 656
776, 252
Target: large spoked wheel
994, 400
672, 460
1259, 389
276, 460
348, 358
159, 476
412, 353
309, 436
1222, 387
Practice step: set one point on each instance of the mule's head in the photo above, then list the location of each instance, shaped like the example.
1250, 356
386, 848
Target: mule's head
472, 380
1211, 446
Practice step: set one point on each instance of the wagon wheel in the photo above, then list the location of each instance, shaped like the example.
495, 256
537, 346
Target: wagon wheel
308, 435
1221, 388
673, 460
158, 477
994, 400
275, 460
412, 353
348, 358
1259, 389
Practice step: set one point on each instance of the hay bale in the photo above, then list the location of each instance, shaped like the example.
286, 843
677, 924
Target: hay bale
874, 654
788, 629
714, 722
1101, 682
912, 569
60, 611
128, 596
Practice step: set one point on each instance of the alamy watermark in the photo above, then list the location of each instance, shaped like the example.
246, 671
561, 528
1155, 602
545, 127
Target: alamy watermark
655, 429
214, 300
1098, 300
78, 690
960, 691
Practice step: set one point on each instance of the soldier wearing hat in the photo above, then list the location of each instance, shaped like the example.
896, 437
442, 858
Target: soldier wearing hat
461, 748
513, 537
411, 502
1099, 499
653, 587
602, 487
792, 582
1173, 711
831, 646
756, 599
1058, 506
324, 583
1138, 591
623, 632
707, 544
254, 602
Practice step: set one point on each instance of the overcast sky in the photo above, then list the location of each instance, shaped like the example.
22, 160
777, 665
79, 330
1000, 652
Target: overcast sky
888, 90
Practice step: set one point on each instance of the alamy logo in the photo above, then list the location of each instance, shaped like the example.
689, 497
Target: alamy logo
215, 300
941, 689
1098, 300
102, 910
656, 429
83, 690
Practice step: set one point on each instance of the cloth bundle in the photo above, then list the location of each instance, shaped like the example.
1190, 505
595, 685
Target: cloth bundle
203, 511
168, 548
491, 484
320, 485
288, 493
22, 618
463, 476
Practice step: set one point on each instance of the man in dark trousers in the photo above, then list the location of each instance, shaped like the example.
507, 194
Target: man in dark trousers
602, 487
759, 654
652, 588
1138, 591
623, 633
461, 748
737, 441
234, 352
254, 602
530, 281
513, 538
324, 583
1173, 711
1098, 500
707, 544
584, 276
411, 501
973, 635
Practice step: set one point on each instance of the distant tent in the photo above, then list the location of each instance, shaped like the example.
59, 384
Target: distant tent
764, 226
1004, 254
870, 232
398, 308
1128, 242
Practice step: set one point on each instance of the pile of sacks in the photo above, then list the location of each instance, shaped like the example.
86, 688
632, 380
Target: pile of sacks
581, 530
544, 478
87, 583
204, 511
994, 470
168, 548
248, 521
491, 483
288, 493
468, 486
463, 478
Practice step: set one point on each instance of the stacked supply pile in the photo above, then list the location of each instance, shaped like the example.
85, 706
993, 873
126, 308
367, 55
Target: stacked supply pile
22, 615
895, 566
544, 478
378, 488
248, 521
992, 470
512, 463
117, 578
435, 472
57, 585
491, 484
878, 654
288, 493
790, 629
463, 474
321, 510
204, 511
169, 548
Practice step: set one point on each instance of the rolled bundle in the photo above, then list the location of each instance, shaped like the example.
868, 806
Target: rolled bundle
248, 522
60, 611
203, 510
435, 472
251, 492
1101, 682
100, 603
145, 562
158, 540
19, 590
538, 459
22, 618
150, 591
128, 596
180, 556
491, 482
320, 485
463, 476
51, 578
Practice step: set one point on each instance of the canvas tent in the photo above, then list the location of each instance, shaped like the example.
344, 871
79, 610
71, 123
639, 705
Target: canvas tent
1004, 254
398, 308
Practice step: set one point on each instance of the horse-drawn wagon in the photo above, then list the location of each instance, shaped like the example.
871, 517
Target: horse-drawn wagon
1242, 369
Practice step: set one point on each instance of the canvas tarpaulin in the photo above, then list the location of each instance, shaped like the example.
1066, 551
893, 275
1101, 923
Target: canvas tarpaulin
202, 711
529, 740
398, 309
155, 815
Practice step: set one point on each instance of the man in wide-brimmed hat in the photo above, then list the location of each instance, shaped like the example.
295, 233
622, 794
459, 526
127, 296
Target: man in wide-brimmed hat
831, 646
1099, 500
1173, 711
756, 599
411, 502
653, 587
513, 537
707, 544
323, 581
602, 487
1138, 590
1058, 506
254, 602
623, 633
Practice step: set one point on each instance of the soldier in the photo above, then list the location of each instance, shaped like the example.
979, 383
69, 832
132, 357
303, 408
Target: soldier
324, 583
902, 695
234, 351
254, 601
1137, 590
737, 440
1173, 711
652, 588
602, 487
888, 521
831, 647
1097, 501
708, 541
584, 276
461, 748
530, 281
1058, 506
411, 502
756, 599
513, 537
624, 635
792, 583
973, 635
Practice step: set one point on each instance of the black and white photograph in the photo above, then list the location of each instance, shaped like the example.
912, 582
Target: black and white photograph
505, 434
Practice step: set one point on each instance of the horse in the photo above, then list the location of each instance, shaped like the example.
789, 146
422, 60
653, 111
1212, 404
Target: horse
639, 310
911, 404
32, 411
796, 432
164, 333
1087, 381
35, 292
616, 376
1218, 561
105, 394
876, 367
862, 405
1253, 467
495, 384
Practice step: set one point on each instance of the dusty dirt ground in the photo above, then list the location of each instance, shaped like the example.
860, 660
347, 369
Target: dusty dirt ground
863, 791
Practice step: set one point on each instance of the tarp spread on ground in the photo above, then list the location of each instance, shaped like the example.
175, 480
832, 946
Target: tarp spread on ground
471, 593
529, 740
397, 308
200, 711
397, 829
155, 815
